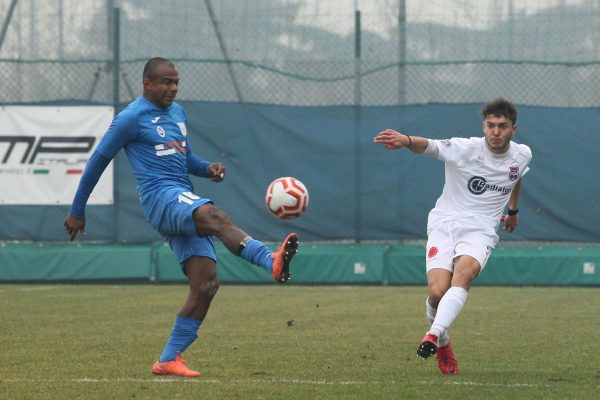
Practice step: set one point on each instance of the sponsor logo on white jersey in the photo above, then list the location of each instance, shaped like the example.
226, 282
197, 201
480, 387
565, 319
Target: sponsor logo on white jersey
478, 185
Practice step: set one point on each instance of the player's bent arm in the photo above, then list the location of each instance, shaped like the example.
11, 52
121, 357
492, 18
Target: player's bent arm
513, 201
198, 167
511, 220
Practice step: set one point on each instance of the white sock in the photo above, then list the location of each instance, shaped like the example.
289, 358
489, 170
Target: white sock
431, 312
450, 305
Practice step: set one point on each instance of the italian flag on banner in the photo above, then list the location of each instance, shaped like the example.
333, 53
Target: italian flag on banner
43, 151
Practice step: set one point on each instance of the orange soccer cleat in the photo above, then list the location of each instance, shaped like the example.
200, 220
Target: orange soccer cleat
446, 361
175, 367
179, 358
283, 256
428, 346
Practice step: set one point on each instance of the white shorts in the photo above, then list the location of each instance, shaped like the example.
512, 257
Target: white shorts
452, 239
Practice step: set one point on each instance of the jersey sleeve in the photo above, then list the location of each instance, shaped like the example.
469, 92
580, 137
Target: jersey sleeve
122, 130
526, 152
447, 150
197, 166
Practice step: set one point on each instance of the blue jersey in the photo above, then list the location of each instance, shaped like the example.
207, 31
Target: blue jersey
155, 140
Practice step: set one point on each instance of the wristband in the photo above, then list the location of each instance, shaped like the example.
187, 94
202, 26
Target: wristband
409, 141
512, 212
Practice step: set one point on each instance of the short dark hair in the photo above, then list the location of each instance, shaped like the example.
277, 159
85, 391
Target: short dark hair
150, 67
500, 107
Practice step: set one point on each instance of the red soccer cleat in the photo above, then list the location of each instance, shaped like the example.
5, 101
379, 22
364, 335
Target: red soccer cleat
283, 256
428, 346
174, 367
446, 361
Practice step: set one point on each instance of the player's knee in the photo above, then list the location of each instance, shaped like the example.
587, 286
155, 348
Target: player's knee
213, 287
464, 277
210, 220
435, 294
206, 289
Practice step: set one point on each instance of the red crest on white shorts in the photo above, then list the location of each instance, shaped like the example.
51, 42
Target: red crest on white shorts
432, 252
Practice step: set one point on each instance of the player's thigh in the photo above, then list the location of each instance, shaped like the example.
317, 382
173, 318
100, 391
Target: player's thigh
175, 209
475, 243
211, 220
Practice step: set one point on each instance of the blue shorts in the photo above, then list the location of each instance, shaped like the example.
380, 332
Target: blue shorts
186, 246
171, 214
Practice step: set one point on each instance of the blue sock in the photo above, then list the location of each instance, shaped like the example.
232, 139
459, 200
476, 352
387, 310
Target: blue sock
257, 253
184, 332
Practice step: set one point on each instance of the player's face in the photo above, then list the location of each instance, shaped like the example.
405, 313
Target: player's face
162, 88
498, 132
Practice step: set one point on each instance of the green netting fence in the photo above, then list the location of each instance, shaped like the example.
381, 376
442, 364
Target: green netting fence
305, 52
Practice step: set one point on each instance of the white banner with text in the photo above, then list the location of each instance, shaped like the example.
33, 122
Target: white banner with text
43, 151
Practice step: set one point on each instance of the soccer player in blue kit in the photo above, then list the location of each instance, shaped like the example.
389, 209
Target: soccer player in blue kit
153, 131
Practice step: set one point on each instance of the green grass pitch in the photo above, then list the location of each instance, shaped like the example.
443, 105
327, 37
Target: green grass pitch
297, 342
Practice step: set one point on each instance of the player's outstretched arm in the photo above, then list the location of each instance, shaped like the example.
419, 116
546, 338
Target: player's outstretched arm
394, 140
75, 221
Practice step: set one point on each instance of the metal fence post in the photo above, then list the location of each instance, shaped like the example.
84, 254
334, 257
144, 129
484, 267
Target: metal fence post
116, 67
9, 15
402, 52
357, 128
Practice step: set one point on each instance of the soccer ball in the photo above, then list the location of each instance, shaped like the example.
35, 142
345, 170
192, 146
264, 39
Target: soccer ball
287, 198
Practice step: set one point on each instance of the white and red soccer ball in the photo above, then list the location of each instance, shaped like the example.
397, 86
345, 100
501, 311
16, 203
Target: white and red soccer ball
287, 198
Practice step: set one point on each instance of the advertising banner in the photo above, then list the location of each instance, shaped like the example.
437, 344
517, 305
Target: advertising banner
43, 151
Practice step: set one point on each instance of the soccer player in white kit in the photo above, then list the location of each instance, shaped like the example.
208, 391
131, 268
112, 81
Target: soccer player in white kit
482, 176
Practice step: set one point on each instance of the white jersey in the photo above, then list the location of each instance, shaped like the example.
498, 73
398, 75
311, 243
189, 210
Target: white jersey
478, 182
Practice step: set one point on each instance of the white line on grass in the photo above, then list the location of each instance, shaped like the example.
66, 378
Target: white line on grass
267, 381
37, 288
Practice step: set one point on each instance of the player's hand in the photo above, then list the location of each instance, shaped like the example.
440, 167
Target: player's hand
510, 222
392, 139
217, 170
74, 225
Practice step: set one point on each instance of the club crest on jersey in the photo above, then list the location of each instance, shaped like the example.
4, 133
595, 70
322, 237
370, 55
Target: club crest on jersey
446, 143
182, 128
513, 172
160, 131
